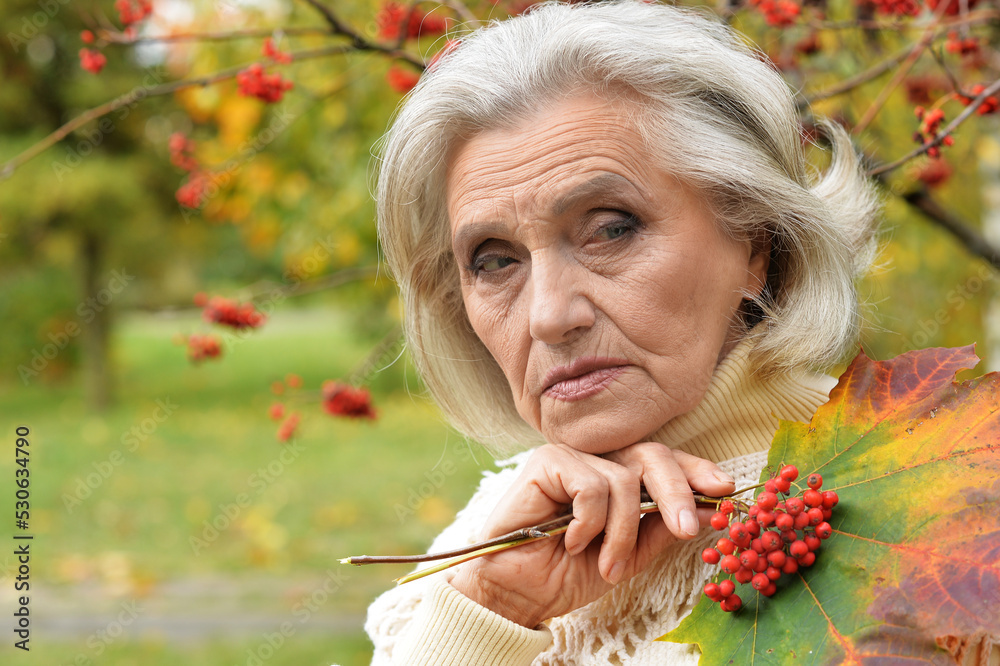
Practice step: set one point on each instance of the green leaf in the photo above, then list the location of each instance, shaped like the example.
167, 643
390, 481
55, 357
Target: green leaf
914, 562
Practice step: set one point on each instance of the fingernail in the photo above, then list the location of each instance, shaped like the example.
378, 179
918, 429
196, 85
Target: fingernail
724, 478
688, 522
616, 573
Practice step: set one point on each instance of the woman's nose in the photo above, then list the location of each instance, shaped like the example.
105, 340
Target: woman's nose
560, 309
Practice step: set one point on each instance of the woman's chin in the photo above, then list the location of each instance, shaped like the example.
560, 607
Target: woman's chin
598, 435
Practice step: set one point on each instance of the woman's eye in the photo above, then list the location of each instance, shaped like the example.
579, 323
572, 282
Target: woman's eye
617, 229
491, 264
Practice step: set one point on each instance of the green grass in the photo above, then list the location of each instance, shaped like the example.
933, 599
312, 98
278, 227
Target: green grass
116, 513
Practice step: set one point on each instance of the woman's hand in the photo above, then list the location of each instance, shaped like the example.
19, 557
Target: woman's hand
555, 576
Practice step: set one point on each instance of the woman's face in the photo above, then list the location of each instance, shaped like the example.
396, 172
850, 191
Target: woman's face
602, 285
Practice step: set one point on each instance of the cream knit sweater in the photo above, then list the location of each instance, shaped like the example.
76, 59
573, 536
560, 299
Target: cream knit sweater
428, 622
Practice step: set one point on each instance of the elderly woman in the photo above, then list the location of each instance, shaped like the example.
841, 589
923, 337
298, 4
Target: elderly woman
610, 252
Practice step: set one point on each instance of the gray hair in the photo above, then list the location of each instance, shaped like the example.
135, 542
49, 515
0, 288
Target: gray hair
715, 113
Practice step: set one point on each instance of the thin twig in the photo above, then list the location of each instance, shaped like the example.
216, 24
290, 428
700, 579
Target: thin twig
940, 136
911, 59
510, 540
114, 37
137, 94
339, 27
864, 77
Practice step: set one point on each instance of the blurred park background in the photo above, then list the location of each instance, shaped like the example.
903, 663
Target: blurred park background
170, 523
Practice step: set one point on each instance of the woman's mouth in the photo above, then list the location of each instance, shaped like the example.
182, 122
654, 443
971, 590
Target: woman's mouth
582, 378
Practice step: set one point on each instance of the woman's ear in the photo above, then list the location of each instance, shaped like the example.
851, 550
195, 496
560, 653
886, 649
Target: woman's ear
760, 261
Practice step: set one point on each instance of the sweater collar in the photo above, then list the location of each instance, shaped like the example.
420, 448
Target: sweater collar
740, 411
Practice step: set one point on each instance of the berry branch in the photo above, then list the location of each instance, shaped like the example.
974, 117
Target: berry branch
512, 539
134, 95
940, 137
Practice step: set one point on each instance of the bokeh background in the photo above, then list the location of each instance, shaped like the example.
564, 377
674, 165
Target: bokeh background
170, 523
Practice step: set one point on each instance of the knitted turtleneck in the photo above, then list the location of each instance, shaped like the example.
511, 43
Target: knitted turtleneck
429, 622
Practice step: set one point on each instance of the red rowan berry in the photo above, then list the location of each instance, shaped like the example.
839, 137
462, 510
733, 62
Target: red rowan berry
730, 564
738, 533
801, 521
782, 484
760, 581
749, 558
789, 472
726, 507
769, 590
790, 566
767, 501
798, 549
732, 603
789, 536
824, 531
276, 411
770, 540
719, 521
784, 522
712, 592
770, 486
87, 37
830, 499
743, 575
815, 481
757, 546
808, 559
726, 588
812, 542
765, 518
812, 498
815, 516
710, 556
794, 506
772, 573
776, 558
725, 546
753, 527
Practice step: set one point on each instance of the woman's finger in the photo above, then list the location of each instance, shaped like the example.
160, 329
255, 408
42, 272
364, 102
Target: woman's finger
621, 528
703, 475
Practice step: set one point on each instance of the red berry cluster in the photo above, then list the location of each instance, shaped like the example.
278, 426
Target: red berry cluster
133, 11
778, 13
934, 172
342, 399
401, 80
182, 152
954, 6
271, 51
897, 7
989, 105
255, 82
930, 123
961, 46
777, 537
227, 312
394, 18
92, 60
201, 347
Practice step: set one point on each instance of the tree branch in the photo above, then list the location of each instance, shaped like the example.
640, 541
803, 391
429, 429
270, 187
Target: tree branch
136, 94
940, 136
254, 33
882, 67
973, 241
338, 27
